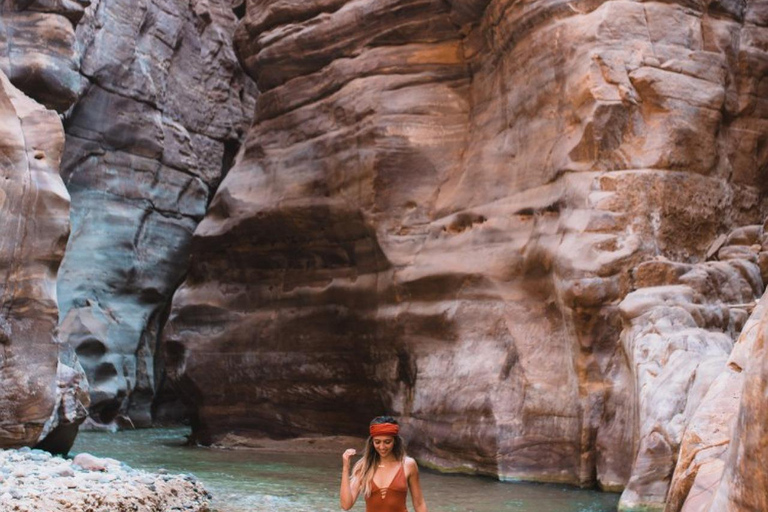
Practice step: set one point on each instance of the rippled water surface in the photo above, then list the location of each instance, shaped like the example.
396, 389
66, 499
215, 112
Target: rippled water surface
247, 481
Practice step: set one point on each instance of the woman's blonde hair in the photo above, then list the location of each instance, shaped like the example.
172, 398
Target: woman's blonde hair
365, 468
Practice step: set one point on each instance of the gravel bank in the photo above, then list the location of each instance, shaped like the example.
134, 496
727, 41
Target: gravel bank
35, 481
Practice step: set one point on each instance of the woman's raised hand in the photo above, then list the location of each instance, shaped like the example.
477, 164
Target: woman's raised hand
347, 454
348, 492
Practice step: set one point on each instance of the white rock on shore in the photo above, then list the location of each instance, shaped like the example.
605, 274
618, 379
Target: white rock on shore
34, 481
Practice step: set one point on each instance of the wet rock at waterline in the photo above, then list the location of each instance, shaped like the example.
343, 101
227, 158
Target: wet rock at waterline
33, 480
43, 392
155, 129
439, 210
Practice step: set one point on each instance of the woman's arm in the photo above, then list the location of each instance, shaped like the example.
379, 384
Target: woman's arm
417, 497
348, 492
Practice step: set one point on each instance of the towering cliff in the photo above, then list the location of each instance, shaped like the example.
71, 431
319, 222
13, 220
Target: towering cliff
473, 214
160, 115
43, 392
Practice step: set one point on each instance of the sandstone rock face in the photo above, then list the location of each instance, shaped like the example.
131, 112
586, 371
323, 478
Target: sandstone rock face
156, 126
678, 334
42, 389
707, 440
745, 483
440, 208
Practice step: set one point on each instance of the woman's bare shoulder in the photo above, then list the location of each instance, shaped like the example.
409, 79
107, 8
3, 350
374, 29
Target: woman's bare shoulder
410, 463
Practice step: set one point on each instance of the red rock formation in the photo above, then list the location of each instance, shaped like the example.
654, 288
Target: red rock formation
162, 105
722, 459
43, 393
679, 332
705, 447
489, 218
34, 206
439, 208
745, 483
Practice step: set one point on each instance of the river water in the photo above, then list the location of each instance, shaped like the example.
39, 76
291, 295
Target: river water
249, 481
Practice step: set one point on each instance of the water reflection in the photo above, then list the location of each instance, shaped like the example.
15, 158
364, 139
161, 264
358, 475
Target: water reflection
248, 481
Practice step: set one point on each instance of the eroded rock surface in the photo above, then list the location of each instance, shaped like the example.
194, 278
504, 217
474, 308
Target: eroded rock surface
42, 388
679, 328
720, 464
440, 207
745, 482
155, 129
705, 447
38, 52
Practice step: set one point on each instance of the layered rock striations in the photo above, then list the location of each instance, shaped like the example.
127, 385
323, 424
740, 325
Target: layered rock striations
154, 104
159, 119
42, 384
442, 210
43, 394
291, 267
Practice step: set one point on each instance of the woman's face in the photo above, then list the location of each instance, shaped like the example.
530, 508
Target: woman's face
383, 445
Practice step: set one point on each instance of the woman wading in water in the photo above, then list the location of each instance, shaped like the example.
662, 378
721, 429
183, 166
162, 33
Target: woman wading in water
384, 474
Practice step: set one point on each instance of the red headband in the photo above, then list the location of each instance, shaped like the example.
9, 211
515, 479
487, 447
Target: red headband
384, 429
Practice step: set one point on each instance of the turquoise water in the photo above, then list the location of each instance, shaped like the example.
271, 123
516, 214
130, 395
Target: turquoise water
248, 481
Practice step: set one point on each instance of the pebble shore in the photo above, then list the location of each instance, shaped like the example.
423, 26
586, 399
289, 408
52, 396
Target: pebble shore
36, 481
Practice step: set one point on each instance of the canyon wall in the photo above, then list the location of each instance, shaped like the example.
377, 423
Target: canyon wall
154, 105
502, 222
43, 391
159, 117
533, 231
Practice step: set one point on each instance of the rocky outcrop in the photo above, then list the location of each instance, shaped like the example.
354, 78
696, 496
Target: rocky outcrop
678, 334
160, 116
31, 480
42, 388
441, 211
169, 110
705, 447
